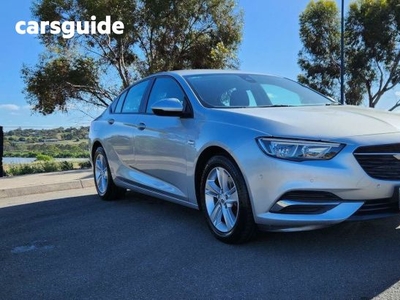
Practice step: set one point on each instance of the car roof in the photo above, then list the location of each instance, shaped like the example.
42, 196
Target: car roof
209, 71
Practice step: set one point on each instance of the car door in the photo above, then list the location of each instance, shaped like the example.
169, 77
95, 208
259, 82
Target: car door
161, 143
122, 128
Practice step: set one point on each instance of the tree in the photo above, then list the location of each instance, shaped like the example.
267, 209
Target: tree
320, 35
373, 55
372, 50
158, 35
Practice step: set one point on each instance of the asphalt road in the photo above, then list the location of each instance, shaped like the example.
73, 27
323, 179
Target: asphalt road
71, 245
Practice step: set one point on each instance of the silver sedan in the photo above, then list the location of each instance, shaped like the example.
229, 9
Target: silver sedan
250, 150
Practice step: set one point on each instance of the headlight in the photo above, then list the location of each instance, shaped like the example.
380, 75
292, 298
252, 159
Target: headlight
299, 150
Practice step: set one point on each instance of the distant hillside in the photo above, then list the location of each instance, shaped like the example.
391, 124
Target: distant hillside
58, 143
43, 135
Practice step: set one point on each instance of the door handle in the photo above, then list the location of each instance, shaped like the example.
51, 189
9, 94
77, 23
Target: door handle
141, 126
111, 121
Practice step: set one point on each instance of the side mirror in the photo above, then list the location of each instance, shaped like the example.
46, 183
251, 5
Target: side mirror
168, 107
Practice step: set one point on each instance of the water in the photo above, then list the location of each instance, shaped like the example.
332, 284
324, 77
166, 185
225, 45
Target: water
18, 160
27, 160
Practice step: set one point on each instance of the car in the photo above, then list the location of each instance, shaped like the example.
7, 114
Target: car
251, 151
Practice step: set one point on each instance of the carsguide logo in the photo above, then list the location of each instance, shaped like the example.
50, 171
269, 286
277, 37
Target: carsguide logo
70, 28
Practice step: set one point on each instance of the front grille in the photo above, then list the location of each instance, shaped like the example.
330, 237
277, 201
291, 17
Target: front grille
381, 161
389, 148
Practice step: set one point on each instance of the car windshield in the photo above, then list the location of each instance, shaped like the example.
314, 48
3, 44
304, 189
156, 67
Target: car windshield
249, 90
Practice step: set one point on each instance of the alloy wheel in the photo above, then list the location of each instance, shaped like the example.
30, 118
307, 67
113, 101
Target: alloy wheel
221, 200
101, 174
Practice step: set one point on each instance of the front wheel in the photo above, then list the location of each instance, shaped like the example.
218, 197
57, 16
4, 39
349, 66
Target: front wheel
104, 183
225, 201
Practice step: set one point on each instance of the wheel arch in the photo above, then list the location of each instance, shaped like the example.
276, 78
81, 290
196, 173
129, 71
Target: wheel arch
202, 161
96, 145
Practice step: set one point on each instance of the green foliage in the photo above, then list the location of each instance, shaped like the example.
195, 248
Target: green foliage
60, 79
373, 54
49, 166
159, 35
42, 157
320, 35
372, 49
39, 167
63, 148
46, 134
66, 165
85, 164
21, 170
52, 150
189, 34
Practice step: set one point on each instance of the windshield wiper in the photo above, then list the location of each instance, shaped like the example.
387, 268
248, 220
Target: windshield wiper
278, 105
287, 105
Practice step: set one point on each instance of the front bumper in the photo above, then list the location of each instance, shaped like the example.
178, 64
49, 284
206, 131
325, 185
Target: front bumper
328, 192
290, 214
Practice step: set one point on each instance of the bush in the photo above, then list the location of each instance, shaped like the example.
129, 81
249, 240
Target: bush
65, 166
21, 169
39, 167
43, 157
85, 164
49, 166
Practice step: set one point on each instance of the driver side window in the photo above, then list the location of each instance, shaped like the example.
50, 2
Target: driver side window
164, 87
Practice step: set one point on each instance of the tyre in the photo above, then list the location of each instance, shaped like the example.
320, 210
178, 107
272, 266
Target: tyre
103, 181
225, 202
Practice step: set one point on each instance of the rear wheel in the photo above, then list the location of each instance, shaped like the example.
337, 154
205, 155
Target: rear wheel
225, 201
104, 183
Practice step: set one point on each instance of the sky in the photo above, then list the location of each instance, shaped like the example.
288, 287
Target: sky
270, 45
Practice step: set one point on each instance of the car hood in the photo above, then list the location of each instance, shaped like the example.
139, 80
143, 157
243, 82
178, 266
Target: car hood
325, 122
